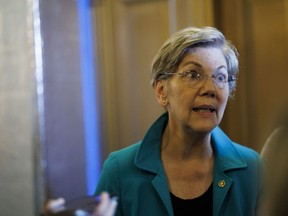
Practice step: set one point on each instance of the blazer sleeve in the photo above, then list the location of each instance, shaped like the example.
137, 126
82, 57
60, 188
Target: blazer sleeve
109, 180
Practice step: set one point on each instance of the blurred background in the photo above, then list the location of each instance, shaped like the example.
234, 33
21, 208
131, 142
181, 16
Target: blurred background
75, 84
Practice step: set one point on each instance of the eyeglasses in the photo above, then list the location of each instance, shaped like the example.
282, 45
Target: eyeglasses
196, 79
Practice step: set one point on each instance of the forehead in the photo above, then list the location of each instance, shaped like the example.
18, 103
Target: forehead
204, 57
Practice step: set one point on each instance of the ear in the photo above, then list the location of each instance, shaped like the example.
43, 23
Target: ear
160, 89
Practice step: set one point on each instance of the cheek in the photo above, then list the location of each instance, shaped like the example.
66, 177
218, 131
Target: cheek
174, 93
178, 101
225, 95
223, 103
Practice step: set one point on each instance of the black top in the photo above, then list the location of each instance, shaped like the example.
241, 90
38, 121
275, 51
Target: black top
201, 206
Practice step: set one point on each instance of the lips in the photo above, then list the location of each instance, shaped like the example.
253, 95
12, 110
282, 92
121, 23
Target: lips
204, 109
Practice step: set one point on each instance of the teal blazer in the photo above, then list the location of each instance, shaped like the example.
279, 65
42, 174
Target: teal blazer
137, 176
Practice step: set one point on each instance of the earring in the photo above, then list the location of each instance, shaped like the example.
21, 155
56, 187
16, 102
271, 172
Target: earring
164, 102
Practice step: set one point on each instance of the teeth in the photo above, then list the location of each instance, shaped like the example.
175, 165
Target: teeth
204, 110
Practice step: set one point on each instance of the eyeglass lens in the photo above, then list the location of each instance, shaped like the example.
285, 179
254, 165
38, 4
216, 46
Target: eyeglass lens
196, 80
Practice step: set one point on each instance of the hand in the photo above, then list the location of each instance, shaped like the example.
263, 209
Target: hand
107, 205
54, 205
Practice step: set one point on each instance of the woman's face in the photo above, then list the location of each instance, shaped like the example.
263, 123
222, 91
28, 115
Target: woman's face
197, 109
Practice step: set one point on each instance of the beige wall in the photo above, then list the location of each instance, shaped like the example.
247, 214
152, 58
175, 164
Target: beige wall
270, 34
259, 30
130, 32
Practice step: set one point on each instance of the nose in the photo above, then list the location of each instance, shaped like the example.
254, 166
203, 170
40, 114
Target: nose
208, 87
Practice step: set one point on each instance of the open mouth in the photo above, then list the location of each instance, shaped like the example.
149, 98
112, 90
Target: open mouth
204, 109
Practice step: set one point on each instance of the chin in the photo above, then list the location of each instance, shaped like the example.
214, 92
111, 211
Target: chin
203, 129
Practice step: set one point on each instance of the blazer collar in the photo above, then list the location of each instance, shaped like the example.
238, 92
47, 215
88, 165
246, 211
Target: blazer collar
149, 157
149, 153
226, 155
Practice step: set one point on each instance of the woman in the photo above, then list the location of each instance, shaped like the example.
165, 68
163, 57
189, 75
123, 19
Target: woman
185, 164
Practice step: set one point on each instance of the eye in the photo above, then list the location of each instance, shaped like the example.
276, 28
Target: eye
193, 74
220, 77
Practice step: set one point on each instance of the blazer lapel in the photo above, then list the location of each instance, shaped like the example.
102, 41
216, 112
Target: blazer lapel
149, 158
160, 185
226, 158
221, 186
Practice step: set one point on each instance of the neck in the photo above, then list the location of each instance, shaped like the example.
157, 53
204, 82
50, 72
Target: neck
186, 146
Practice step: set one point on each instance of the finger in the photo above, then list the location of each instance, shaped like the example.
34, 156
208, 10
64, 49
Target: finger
104, 203
55, 205
111, 207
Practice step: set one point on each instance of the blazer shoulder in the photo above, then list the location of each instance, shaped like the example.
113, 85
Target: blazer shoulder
227, 147
245, 151
115, 166
125, 155
250, 156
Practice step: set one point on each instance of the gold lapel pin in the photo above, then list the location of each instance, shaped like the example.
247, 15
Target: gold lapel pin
221, 183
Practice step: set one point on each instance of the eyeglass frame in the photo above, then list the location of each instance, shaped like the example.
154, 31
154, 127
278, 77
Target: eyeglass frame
230, 78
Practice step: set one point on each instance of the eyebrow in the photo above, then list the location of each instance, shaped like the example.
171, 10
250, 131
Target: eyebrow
199, 65
193, 62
